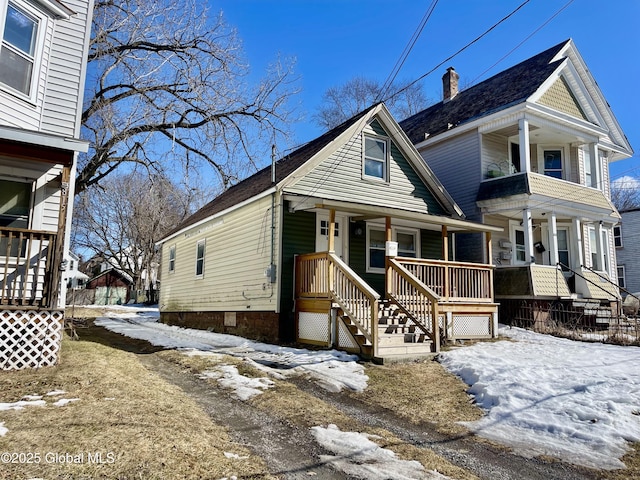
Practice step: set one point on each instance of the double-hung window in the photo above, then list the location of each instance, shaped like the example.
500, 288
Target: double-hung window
375, 163
407, 239
20, 38
15, 203
553, 163
172, 259
200, 258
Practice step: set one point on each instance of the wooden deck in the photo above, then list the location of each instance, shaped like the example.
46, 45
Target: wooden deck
433, 301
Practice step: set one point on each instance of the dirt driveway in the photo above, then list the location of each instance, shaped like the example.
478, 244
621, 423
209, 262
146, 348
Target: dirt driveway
285, 442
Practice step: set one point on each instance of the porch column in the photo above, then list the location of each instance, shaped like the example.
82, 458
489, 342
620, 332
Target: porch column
596, 167
576, 230
331, 241
54, 300
600, 247
527, 225
553, 240
523, 138
387, 238
445, 244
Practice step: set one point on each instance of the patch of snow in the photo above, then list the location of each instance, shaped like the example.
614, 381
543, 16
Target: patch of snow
21, 404
359, 457
234, 455
64, 401
3, 429
244, 387
54, 393
32, 397
576, 401
332, 369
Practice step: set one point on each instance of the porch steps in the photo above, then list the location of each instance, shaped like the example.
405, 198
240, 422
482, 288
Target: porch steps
398, 339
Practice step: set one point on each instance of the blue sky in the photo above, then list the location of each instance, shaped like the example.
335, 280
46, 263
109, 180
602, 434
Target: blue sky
336, 40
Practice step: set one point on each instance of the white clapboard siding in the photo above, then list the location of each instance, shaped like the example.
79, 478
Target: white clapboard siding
237, 253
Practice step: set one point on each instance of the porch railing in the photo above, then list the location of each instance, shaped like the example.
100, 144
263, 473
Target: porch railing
26, 268
324, 274
417, 300
453, 281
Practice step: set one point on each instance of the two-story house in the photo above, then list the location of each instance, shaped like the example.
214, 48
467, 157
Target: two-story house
42, 71
528, 150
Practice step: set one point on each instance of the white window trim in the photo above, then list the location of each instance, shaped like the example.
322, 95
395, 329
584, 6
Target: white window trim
566, 163
394, 236
172, 261
204, 254
38, 53
619, 227
385, 170
624, 276
513, 227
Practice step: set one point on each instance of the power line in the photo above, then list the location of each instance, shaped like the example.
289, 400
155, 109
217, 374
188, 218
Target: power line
475, 40
405, 53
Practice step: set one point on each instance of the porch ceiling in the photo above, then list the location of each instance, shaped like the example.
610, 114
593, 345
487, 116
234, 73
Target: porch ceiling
374, 211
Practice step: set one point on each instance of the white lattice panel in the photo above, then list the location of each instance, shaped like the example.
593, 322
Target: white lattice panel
313, 326
471, 326
345, 339
29, 338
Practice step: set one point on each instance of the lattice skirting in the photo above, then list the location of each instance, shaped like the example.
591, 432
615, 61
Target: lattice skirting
313, 327
471, 326
29, 338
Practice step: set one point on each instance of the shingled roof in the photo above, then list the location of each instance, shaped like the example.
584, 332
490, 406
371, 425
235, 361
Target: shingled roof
261, 180
501, 91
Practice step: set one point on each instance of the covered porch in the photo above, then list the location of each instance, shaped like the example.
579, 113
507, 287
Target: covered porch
414, 305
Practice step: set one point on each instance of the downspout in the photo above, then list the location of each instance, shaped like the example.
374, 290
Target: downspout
272, 267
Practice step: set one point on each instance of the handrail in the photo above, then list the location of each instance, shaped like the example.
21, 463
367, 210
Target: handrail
416, 299
355, 297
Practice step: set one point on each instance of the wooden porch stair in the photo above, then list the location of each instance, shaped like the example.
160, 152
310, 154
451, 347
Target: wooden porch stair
398, 338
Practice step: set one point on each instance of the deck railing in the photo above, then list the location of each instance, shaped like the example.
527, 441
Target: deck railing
26, 268
324, 274
453, 281
416, 299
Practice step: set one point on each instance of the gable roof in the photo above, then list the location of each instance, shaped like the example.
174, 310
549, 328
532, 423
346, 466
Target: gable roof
260, 181
499, 92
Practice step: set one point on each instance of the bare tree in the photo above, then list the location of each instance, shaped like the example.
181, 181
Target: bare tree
166, 83
122, 219
342, 102
625, 193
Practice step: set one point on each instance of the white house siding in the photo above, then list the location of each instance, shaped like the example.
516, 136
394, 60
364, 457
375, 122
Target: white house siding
629, 254
339, 177
237, 253
65, 72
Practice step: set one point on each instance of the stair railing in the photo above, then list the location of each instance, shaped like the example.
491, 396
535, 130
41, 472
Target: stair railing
417, 300
357, 299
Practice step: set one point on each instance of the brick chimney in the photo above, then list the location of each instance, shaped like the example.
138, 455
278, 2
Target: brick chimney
450, 84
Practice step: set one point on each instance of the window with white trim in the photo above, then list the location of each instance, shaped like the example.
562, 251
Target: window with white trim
563, 248
172, 259
15, 203
552, 159
21, 38
622, 283
375, 162
617, 236
517, 240
408, 240
200, 247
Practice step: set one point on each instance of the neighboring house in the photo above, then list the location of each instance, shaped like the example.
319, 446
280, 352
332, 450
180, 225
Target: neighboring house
307, 249
110, 287
42, 72
72, 275
528, 150
627, 244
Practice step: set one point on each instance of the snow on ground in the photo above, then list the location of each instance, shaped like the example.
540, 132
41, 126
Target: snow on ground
332, 369
545, 395
359, 457
579, 402
244, 387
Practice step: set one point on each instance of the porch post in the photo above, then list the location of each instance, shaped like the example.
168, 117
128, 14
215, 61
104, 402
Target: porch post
387, 238
525, 156
54, 300
553, 240
489, 261
331, 241
577, 260
445, 244
527, 225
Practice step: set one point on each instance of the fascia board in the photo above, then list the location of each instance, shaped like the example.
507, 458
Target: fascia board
43, 139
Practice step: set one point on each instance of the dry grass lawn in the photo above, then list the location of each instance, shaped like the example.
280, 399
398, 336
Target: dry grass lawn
143, 427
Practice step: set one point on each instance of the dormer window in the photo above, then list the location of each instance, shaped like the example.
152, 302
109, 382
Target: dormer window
20, 45
375, 163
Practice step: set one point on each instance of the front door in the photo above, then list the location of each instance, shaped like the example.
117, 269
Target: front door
340, 234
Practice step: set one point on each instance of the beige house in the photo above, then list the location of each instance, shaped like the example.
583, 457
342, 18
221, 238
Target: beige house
344, 242
528, 150
42, 72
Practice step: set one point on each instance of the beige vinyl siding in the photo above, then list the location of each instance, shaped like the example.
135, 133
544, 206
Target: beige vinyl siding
457, 165
560, 97
237, 253
340, 177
